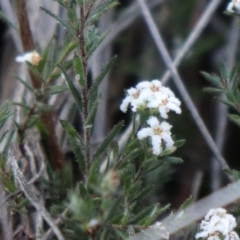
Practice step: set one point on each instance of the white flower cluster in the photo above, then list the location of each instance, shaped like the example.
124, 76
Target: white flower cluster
234, 6
152, 95
218, 224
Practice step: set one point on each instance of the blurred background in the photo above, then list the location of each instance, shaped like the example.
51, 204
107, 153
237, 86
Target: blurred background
139, 59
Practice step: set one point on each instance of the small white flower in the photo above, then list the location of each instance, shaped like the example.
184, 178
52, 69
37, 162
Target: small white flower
165, 104
132, 99
151, 95
234, 6
32, 57
218, 221
158, 132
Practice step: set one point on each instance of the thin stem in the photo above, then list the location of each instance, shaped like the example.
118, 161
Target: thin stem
165, 55
80, 36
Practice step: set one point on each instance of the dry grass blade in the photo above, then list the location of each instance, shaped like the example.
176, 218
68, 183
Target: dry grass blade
30, 195
193, 213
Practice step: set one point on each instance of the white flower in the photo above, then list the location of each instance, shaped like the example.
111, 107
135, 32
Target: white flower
234, 6
132, 99
165, 104
158, 132
32, 57
218, 222
151, 95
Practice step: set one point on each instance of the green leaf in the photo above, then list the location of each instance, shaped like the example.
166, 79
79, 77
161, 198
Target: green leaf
98, 11
68, 47
134, 188
233, 74
235, 118
34, 70
104, 145
71, 13
82, 190
133, 144
101, 76
44, 56
179, 143
224, 73
76, 143
73, 90
155, 165
148, 162
213, 90
4, 113
91, 115
235, 174
173, 160
156, 210
93, 172
115, 150
130, 157
56, 89
142, 194
21, 105
9, 141
215, 80
7, 21
97, 43
3, 135
64, 24
26, 84
79, 71
186, 203
141, 215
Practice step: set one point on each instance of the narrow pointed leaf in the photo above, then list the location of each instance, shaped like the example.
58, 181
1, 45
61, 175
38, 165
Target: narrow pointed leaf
213, 90
79, 71
111, 135
99, 11
73, 90
64, 24
142, 194
34, 70
93, 172
97, 43
235, 118
7, 21
224, 73
44, 56
212, 79
56, 89
101, 76
173, 160
26, 84
67, 49
76, 144
91, 115
186, 203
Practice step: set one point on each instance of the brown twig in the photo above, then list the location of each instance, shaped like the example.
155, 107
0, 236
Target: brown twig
46, 118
